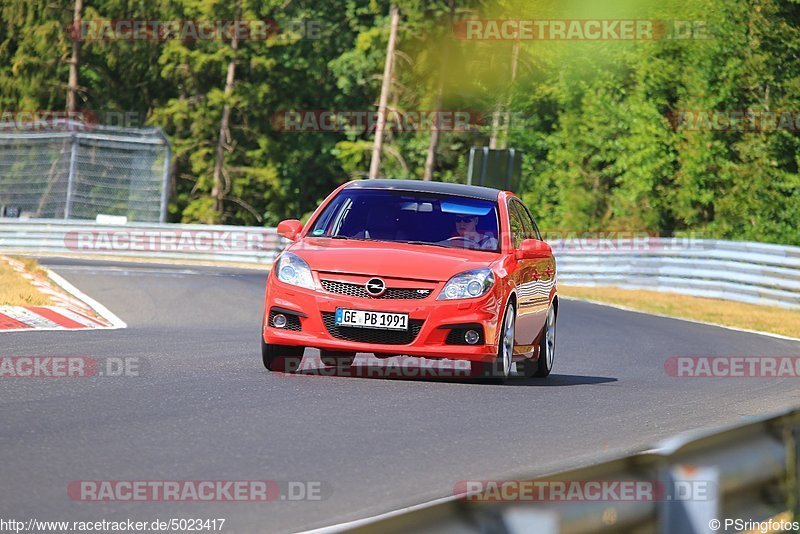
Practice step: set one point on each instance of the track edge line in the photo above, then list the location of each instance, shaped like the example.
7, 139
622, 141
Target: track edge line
348, 525
727, 327
105, 313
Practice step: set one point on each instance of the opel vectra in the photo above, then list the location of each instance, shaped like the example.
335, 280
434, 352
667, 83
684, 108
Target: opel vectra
405, 267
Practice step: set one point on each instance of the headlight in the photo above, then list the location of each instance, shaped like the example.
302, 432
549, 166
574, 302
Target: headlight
468, 285
292, 269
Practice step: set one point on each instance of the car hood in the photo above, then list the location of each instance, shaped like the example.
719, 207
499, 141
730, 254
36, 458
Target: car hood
381, 258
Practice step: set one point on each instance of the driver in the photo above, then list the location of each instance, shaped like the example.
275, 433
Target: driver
466, 230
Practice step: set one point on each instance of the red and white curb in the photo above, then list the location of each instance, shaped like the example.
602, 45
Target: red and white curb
72, 309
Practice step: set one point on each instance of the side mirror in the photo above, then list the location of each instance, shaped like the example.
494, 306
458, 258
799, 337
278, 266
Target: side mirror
290, 228
533, 248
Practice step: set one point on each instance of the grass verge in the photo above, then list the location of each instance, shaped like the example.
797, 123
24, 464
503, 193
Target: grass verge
16, 290
724, 312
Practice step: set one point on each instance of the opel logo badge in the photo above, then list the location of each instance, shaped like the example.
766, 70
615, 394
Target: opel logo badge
375, 287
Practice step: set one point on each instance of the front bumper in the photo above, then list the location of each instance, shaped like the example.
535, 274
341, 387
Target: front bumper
434, 317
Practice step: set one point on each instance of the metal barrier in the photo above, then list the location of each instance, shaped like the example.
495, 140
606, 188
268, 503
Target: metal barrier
757, 273
748, 272
141, 241
747, 472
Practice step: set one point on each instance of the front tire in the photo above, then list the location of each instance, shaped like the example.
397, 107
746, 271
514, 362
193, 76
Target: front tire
281, 358
500, 369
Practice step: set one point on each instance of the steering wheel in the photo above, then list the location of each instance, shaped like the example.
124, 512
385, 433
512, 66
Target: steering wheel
466, 240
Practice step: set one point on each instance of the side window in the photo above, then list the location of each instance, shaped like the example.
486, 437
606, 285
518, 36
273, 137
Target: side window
517, 226
528, 217
528, 231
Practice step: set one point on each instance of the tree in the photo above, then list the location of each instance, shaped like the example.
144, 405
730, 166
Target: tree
592, 118
74, 62
218, 191
375, 163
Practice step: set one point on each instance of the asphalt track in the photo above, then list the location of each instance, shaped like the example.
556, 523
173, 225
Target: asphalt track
205, 408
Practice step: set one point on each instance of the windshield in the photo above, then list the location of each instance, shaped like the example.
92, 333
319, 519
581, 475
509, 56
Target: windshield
410, 217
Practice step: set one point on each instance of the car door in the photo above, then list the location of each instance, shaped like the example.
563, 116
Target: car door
533, 277
522, 276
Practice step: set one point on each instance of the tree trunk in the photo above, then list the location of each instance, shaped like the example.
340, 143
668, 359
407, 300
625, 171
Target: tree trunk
499, 135
430, 159
495, 128
385, 86
74, 62
218, 190
509, 101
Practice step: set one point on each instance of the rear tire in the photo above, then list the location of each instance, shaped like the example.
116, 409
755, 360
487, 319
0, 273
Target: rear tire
337, 358
281, 358
547, 349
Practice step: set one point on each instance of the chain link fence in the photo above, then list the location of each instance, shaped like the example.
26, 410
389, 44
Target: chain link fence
79, 172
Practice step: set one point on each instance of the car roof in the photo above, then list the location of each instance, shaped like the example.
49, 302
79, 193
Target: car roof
420, 186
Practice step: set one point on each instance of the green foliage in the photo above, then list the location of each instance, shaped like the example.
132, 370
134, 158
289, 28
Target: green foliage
593, 118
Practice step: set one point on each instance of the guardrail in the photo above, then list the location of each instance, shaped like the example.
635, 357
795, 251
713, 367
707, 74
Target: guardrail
178, 242
748, 272
747, 472
757, 273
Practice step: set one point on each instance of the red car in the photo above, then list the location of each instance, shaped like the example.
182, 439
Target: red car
405, 267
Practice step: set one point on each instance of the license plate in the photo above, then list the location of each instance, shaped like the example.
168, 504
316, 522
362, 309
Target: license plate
371, 319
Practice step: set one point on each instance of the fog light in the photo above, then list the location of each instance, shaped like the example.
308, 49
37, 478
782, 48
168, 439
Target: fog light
279, 320
471, 337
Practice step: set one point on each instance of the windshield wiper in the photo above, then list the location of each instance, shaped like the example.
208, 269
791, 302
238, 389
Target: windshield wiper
384, 240
346, 237
424, 243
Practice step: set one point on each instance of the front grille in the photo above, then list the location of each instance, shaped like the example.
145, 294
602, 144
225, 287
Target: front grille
292, 321
358, 290
370, 335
